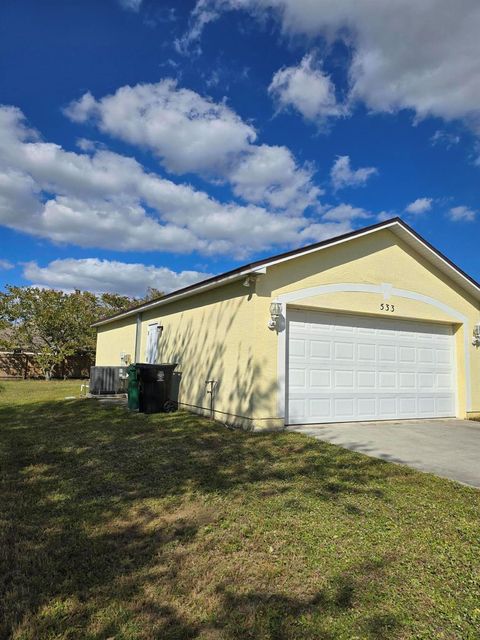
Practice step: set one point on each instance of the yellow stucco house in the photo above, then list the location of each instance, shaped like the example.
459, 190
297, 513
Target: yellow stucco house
372, 325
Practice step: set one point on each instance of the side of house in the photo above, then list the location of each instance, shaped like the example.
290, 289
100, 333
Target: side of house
210, 336
375, 325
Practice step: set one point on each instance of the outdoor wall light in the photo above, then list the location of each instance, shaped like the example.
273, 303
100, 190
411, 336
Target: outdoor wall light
476, 335
275, 313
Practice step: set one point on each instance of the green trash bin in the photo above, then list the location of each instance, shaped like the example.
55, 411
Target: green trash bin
133, 388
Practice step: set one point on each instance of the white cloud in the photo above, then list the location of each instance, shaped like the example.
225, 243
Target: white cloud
323, 231
420, 205
107, 200
6, 265
345, 213
130, 5
19, 197
203, 13
385, 215
99, 276
187, 132
445, 138
408, 54
191, 133
84, 144
82, 109
462, 214
307, 89
343, 175
269, 174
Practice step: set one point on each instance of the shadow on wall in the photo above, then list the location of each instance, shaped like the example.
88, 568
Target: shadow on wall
199, 345
212, 343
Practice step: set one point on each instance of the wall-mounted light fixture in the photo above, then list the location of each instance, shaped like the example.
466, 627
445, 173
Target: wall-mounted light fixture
476, 335
250, 280
275, 313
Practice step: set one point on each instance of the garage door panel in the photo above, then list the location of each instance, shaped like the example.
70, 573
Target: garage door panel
297, 347
344, 408
366, 352
426, 382
407, 407
426, 406
444, 381
365, 331
341, 329
387, 380
442, 356
366, 380
321, 378
344, 380
387, 353
298, 379
320, 408
297, 409
313, 327
444, 405
344, 351
344, 368
320, 349
426, 356
366, 408
407, 380
407, 355
387, 406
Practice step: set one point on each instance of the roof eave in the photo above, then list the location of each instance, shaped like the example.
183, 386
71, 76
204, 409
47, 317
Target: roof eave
397, 225
180, 295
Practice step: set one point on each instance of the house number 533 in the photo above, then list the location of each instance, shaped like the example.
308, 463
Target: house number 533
387, 307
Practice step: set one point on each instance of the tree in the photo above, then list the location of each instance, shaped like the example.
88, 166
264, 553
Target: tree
110, 303
49, 322
55, 324
152, 294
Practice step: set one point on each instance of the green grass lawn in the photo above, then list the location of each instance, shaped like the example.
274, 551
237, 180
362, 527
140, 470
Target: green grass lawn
122, 526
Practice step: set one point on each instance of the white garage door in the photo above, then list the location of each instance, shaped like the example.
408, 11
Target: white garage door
344, 368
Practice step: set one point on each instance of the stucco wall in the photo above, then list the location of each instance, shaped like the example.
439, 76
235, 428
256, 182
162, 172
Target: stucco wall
223, 335
374, 259
209, 336
112, 339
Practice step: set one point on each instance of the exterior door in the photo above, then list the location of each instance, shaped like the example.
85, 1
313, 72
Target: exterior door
153, 335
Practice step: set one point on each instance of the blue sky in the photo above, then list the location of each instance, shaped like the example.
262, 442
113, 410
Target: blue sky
148, 143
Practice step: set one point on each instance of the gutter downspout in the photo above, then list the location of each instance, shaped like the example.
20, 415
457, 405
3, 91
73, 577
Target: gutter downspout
138, 337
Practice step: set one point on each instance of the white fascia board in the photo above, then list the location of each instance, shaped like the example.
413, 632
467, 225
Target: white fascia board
435, 258
394, 225
333, 243
181, 295
411, 239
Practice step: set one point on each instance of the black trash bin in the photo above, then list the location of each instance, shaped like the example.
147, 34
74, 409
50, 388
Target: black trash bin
155, 388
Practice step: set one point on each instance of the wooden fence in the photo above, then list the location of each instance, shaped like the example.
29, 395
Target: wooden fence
22, 365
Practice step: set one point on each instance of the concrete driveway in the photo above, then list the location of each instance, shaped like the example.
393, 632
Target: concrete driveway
448, 448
